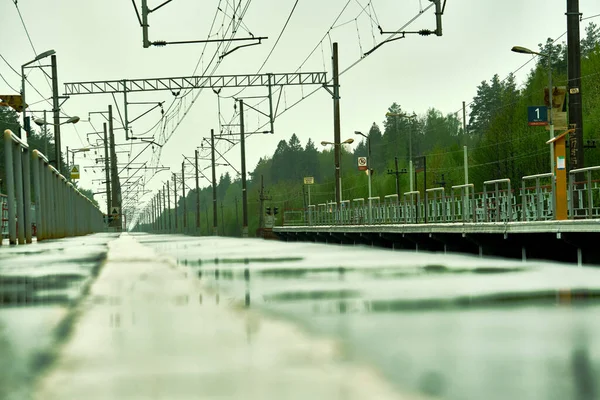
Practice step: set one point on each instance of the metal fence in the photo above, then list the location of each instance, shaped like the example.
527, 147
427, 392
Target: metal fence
60, 209
585, 201
499, 202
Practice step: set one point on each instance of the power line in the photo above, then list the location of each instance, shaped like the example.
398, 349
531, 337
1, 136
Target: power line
5, 81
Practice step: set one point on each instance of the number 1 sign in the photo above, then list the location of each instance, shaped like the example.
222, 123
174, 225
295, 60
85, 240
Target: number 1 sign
537, 115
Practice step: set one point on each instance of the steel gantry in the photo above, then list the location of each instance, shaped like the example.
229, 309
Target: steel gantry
175, 84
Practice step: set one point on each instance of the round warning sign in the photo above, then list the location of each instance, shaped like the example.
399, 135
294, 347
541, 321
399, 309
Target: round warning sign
362, 163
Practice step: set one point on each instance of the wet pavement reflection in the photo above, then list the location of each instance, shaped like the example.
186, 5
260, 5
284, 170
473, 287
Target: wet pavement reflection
39, 286
447, 326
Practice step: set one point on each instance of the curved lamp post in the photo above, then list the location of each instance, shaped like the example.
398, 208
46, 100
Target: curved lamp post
42, 122
525, 50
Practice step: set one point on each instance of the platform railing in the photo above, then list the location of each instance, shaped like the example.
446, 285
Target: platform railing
537, 202
497, 203
16, 159
584, 199
411, 205
392, 208
463, 208
436, 204
60, 209
71, 213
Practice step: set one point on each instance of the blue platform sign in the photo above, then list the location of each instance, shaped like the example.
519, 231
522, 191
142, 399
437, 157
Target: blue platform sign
537, 115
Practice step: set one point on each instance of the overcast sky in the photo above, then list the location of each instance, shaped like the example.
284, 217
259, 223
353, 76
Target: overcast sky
102, 40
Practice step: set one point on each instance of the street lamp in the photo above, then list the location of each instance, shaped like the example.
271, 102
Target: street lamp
37, 58
410, 159
368, 171
347, 141
42, 122
337, 146
524, 50
82, 150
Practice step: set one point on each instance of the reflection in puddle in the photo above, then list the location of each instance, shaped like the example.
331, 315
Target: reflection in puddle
444, 325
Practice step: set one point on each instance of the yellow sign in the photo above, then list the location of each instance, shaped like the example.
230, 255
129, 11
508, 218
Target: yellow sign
12, 100
309, 180
75, 172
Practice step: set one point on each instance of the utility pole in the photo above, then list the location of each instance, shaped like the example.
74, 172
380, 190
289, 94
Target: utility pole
397, 172
244, 192
164, 202
183, 195
175, 198
261, 218
45, 136
197, 193
163, 217
116, 187
262, 197
465, 123
336, 125
107, 170
214, 182
397, 178
169, 204
56, 112
466, 160
154, 213
574, 75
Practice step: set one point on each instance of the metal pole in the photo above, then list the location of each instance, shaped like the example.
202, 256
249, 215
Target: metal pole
369, 172
56, 111
107, 171
164, 203
23, 100
169, 205
197, 193
159, 211
214, 182
145, 42
271, 103
153, 207
116, 191
551, 130
125, 109
175, 199
26, 165
10, 188
244, 191
466, 167
574, 85
37, 188
18, 176
183, 196
410, 159
336, 125
45, 135
397, 177
425, 186
261, 212
464, 123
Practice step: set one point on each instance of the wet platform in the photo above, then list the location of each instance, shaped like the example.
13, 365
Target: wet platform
148, 330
